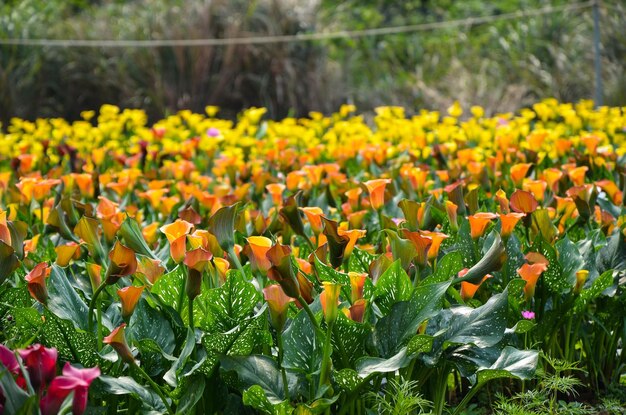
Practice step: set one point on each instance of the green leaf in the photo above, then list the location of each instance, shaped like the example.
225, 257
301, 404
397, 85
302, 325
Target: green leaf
447, 268
303, 348
134, 239
8, 261
172, 375
600, 284
168, 287
242, 340
420, 343
483, 326
255, 397
222, 225
570, 259
347, 379
368, 365
393, 331
192, 393
351, 337
403, 249
392, 287
229, 304
73, 345
257, 370
612, 255
64, 302
28, 321
15, 397
147, 323
511, 363
125, 385
360, 260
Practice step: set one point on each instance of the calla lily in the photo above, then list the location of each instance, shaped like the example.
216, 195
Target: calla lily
508, 222
581, 278
276, 192
479, 222
282, 269
518, 172
40, 363
117, 340
123, 262
259, 245
330, 301
36, 280
523, 202
468, 289
451, 211
530, 274
437, 238
65, 253
376, 189
357, 310
73, 380
176, 234
357, 282
422, 244
314, 215
278, 303
129, 297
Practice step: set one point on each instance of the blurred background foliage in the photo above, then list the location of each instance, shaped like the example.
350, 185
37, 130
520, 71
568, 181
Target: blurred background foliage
502, 65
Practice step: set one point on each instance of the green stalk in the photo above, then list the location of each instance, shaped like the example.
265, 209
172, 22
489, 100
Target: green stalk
233, 256
279, 340
181, 297
93, 303
191, 313
326, 362
157, 389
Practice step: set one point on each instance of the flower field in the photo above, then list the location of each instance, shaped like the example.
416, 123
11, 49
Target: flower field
343, 264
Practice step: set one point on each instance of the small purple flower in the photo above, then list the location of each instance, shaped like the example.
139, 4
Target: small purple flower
213, 132
528, 315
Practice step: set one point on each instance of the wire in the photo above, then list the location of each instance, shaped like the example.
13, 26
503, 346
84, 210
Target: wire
304, 37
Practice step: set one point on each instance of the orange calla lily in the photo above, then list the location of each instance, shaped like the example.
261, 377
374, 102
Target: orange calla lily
523, 202
330, 301
508, 222
129, 297
357, 310
518, 172
357, 282
278, 303
260, 245
36, 280
376, 189
479, 222
65, 253
117, 340
530, 274
437, 238
314, 215
123, 262
176, 234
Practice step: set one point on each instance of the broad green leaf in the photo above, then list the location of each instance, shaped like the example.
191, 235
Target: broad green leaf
192, 393
168, 288
570, 259
76, 346
420, 343
148, 323
483, 326
257, 370
515, 257
392, 287
351, 337
231, 303
255, 397
393, 331
368, 365
125, 385
360, 260
27, 323
303, 347
511, 363
612, 255
347, 379
64, 302
403, 249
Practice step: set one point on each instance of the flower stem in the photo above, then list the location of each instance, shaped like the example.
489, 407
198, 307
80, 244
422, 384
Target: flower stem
93, 303
307, 309
279, 340
156, 388
326, 361
191, 313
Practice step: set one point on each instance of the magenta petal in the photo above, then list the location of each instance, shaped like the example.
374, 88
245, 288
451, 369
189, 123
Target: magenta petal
40, 363
58, 390
8, 359
80, 400
86, 375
